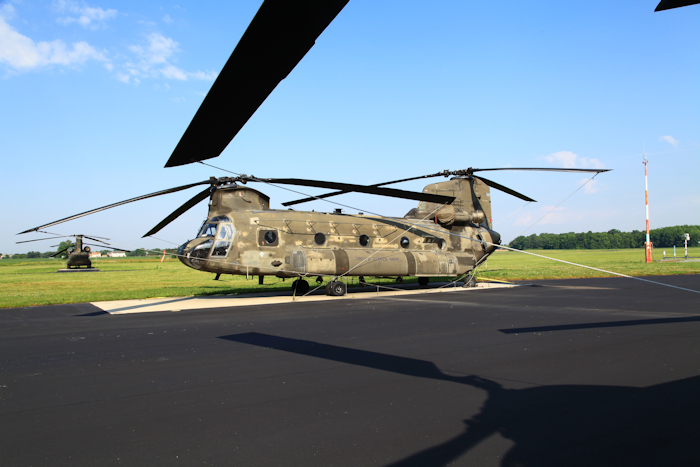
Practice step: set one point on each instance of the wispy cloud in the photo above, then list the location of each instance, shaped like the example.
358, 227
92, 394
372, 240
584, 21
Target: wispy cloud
589, 186
670, 140
79, 13
23, 54
153, 59
569, 160
552, 215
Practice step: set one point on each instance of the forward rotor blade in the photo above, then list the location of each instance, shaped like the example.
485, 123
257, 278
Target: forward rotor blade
39, 239
138, 198
669, 4
504, 189
279, 36
65, 249
373, 190
336, 193
202, 195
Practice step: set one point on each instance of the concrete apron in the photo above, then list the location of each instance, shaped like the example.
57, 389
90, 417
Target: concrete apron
118, 307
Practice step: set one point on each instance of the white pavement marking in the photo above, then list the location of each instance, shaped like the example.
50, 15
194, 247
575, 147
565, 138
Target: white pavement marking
119, 307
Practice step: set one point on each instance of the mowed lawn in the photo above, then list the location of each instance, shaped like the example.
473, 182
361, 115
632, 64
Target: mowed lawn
32, 282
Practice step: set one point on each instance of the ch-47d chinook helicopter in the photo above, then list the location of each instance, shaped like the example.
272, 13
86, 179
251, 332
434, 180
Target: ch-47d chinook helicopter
449, 233
79, 253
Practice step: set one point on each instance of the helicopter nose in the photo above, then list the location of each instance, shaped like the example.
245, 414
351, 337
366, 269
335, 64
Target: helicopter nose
182, 253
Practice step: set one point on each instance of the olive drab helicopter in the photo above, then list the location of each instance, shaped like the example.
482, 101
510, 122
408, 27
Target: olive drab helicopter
78, 253
449, 233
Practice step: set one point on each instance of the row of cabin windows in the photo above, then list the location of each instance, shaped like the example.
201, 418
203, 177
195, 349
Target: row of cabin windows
271, 238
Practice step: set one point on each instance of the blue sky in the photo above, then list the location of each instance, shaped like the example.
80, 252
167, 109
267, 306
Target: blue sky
95, 95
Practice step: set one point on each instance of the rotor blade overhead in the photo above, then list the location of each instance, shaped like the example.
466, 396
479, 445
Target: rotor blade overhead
669, 4
279, 36
543, 169
373, 190
504, 189
201, 196
54, 255
39, 239
336, 193
138, 198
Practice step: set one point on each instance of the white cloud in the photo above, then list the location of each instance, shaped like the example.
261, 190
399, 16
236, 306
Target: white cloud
670, 140
589, 186
153, 60
22, 53
87, 17
167, 19
569, 160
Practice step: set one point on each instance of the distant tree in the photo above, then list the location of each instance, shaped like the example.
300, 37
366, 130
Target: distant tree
64, 244
33, 254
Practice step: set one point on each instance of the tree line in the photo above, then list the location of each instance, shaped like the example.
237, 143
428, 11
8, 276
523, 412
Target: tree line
612, 239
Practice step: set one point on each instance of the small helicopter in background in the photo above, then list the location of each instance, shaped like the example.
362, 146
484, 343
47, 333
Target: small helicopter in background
449, 233
79, 253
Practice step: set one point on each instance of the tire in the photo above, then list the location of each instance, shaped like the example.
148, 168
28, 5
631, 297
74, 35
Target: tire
423, 281
337, 289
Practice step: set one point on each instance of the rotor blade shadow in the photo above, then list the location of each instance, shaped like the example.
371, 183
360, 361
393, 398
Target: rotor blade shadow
608, 324
549, 425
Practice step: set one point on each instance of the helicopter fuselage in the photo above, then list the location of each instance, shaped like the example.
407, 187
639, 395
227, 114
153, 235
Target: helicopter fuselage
243, 236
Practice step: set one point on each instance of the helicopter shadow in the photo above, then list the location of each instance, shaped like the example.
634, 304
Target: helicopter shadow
572, 425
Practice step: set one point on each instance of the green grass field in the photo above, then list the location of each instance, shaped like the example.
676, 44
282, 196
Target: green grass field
31, 282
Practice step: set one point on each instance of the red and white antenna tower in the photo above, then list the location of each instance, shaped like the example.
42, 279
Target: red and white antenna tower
647, 244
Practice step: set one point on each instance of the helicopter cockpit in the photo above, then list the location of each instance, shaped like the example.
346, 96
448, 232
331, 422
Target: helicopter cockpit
213, 240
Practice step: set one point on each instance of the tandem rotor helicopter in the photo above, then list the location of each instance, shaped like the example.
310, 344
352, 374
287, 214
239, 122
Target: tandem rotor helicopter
79, 253
449, 233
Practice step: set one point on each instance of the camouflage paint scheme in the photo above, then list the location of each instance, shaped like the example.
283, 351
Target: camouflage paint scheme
243, 236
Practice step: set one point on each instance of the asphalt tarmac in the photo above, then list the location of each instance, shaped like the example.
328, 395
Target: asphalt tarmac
594, 372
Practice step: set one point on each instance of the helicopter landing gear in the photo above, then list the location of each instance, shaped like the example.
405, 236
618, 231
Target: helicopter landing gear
300, 287
469, 281
319, 280
336, 289
423, 281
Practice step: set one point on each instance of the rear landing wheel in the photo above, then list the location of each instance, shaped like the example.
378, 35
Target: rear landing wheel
469, 281
336, 289
423, 281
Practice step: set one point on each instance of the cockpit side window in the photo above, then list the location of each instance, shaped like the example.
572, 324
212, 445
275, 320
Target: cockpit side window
207, 230
223, 241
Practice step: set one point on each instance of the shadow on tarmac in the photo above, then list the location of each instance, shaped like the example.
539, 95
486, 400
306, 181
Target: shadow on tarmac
603, 324
572, 425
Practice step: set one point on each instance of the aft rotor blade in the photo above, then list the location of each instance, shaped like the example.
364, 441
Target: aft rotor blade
373, 190
336, 193
95, 239
138, 198
504, 189
543, 169
196, 199
105, 246
279, 36
669, 4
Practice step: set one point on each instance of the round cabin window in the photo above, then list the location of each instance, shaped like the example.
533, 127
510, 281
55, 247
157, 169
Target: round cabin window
270, 237
319, 238
405, 242
441, 243
364, 240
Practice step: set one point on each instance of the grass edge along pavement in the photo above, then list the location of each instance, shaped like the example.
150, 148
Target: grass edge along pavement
28, 282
